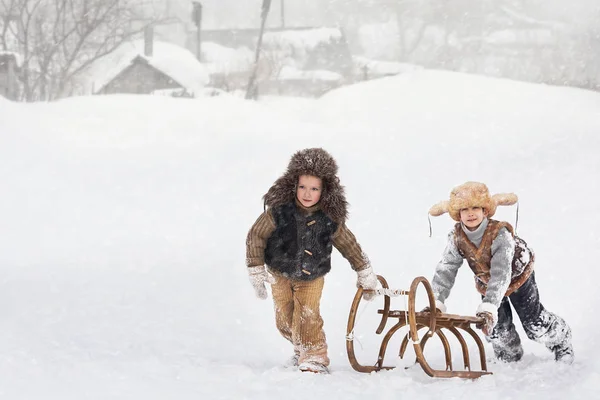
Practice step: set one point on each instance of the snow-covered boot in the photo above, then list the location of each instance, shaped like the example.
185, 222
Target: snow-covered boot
564, 353
292, 361
507, 354
555, 334
313, 366
507, 347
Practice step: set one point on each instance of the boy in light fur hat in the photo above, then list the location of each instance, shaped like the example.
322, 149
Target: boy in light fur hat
503, 268
305, 217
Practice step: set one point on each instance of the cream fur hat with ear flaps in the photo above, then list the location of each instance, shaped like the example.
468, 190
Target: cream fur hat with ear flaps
472, 194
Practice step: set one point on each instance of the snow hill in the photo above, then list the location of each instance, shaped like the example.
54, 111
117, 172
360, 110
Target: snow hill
124, 218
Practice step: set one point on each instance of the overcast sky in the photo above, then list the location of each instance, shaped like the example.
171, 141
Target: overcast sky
246, 13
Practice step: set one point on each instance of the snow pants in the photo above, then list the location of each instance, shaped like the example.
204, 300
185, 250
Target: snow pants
539, 324
298, 317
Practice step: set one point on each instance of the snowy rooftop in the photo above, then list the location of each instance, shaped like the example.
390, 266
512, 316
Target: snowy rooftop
309, 49
383, 68
521, 36
306, 38
516, 15
221, 59
291, 73
172, 60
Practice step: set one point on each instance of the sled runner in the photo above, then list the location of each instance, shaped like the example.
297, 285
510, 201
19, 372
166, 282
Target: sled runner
433, 321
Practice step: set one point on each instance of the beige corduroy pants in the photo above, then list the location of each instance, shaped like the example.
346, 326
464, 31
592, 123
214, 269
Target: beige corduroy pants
298, 317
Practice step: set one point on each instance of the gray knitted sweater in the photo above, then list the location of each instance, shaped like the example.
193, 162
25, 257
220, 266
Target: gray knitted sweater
503, 250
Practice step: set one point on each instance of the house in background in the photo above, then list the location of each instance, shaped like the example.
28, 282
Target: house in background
228, 68
10, 69
294, 61
306, 62
366, 69
152, 67
310, 49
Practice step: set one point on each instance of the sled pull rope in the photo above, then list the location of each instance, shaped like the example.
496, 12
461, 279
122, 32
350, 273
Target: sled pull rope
406, 311
350, 336
429, 219
406, 320
390, 292
517, 219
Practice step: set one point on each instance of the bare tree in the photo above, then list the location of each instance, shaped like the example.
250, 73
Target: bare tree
58, 39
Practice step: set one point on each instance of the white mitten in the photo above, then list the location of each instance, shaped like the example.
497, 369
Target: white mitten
489, 313
367, 280
258, 276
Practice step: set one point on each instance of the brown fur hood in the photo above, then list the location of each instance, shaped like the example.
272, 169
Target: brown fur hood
316, 162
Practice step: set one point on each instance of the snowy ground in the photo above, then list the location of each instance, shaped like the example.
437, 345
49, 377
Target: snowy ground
123, 222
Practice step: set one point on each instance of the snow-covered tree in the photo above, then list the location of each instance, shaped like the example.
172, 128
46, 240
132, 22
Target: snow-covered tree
59, 38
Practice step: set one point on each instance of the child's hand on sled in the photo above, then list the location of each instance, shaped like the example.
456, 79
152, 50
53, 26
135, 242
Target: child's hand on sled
367, 280
489, 315
487, 323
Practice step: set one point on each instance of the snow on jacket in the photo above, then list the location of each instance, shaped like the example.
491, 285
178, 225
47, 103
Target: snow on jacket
500, 261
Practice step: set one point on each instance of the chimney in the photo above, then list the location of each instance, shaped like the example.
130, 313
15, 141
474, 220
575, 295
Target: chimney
148, 40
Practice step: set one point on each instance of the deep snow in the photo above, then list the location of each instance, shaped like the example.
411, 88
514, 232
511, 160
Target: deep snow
124, 219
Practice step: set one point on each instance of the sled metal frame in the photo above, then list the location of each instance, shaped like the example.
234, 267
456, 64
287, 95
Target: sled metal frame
435, 322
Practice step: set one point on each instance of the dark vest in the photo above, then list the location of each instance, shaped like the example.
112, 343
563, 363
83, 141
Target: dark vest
300, 247
479, 258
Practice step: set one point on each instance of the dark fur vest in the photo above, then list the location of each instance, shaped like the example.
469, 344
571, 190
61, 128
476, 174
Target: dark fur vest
300, 247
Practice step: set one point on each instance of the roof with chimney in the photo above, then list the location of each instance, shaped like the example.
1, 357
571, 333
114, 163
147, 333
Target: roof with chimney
174, 61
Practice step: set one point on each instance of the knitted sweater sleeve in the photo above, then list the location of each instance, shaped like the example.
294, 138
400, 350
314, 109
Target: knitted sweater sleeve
256, 241
503, 251
446, 270
346, 243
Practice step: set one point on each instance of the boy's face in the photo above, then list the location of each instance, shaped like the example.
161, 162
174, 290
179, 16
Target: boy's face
472, 217
309, 190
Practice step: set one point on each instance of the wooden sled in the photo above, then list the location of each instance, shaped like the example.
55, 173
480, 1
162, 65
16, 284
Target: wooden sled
435, 322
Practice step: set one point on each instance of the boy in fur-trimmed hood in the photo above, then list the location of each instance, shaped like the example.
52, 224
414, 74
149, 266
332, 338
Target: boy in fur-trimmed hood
305, 217
503, 267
